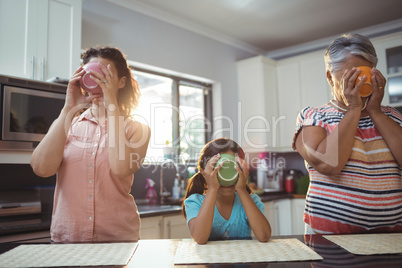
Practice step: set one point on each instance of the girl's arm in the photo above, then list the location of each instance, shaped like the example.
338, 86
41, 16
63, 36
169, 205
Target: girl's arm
47, 156
200, 226
258, 222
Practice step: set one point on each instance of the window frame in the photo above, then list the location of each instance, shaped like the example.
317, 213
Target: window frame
176, 82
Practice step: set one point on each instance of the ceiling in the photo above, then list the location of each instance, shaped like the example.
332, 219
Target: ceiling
271, 26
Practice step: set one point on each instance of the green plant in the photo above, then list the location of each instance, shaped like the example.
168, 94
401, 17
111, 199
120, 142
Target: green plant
302, 184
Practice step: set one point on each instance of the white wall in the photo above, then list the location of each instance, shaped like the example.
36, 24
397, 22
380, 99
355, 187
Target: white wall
150, 41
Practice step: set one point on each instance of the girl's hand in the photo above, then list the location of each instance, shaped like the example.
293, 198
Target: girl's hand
243, 175
378, 81
350, 92
74, 97
210, 173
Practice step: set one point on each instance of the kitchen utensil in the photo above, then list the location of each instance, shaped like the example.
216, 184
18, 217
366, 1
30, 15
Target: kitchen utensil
271, 179
86, 82
227, 174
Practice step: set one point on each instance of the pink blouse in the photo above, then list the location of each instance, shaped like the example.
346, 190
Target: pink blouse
90, 202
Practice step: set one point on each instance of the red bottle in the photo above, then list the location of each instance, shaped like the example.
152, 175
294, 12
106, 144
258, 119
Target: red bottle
290, 182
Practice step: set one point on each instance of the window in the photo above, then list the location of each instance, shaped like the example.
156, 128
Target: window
178, 111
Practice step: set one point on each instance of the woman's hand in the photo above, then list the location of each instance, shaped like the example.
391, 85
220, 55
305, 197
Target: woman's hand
243, 174
378, 81
350, 92
210, 173
74, 97
108, 83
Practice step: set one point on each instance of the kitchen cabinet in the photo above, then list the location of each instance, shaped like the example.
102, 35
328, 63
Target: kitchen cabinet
389, 53
258, 106
279, 216
297, 216
32, 237
285, 216
272, 93
289, 98
151, 227
301, 82
42, 38
14, 157
159, 227
175, 226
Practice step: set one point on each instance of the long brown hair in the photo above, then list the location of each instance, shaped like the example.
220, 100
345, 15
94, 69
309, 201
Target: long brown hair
197, 184
129, 95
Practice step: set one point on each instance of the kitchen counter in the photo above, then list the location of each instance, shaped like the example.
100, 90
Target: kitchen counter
333, 255
40, 222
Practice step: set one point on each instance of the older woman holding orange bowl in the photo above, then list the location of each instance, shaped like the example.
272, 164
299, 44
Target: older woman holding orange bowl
352, 147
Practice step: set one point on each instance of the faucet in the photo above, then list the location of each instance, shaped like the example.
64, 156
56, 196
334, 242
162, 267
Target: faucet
163, 193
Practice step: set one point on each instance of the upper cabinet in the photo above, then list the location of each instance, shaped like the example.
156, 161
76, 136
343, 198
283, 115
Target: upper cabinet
301, 82
258, 104
389, 52
42, 38
272, 93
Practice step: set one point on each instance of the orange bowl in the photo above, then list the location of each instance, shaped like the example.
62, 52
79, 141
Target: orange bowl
367, 88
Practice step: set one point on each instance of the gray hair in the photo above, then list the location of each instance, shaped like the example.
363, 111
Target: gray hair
346, 45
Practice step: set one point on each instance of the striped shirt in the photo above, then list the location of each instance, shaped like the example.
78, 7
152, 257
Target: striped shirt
367, 195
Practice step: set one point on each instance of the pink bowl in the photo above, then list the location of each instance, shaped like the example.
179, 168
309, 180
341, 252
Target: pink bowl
86, 81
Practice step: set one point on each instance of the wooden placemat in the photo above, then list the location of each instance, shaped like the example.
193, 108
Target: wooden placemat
369, 244
68, 255
243, 251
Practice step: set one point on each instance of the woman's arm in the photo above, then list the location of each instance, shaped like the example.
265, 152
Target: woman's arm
126, 156
388, 128
47, 156
328, 154
201, 226
258, 222
391, 132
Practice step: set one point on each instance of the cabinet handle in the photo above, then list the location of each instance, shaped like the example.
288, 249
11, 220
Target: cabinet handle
169, 231
33, 67
43, 69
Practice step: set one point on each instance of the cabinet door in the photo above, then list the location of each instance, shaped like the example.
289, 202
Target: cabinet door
151, 228
18, 26
381, 45
289, 102
42, 38
314, 88
175, 227
37, 237
59, 52
284, 213
270, 214
297, 216
257, 103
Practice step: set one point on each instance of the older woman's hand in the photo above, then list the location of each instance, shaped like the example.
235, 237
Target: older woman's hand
350, 92
378, 81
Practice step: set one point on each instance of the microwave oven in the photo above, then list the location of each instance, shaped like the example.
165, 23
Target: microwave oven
28, 109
